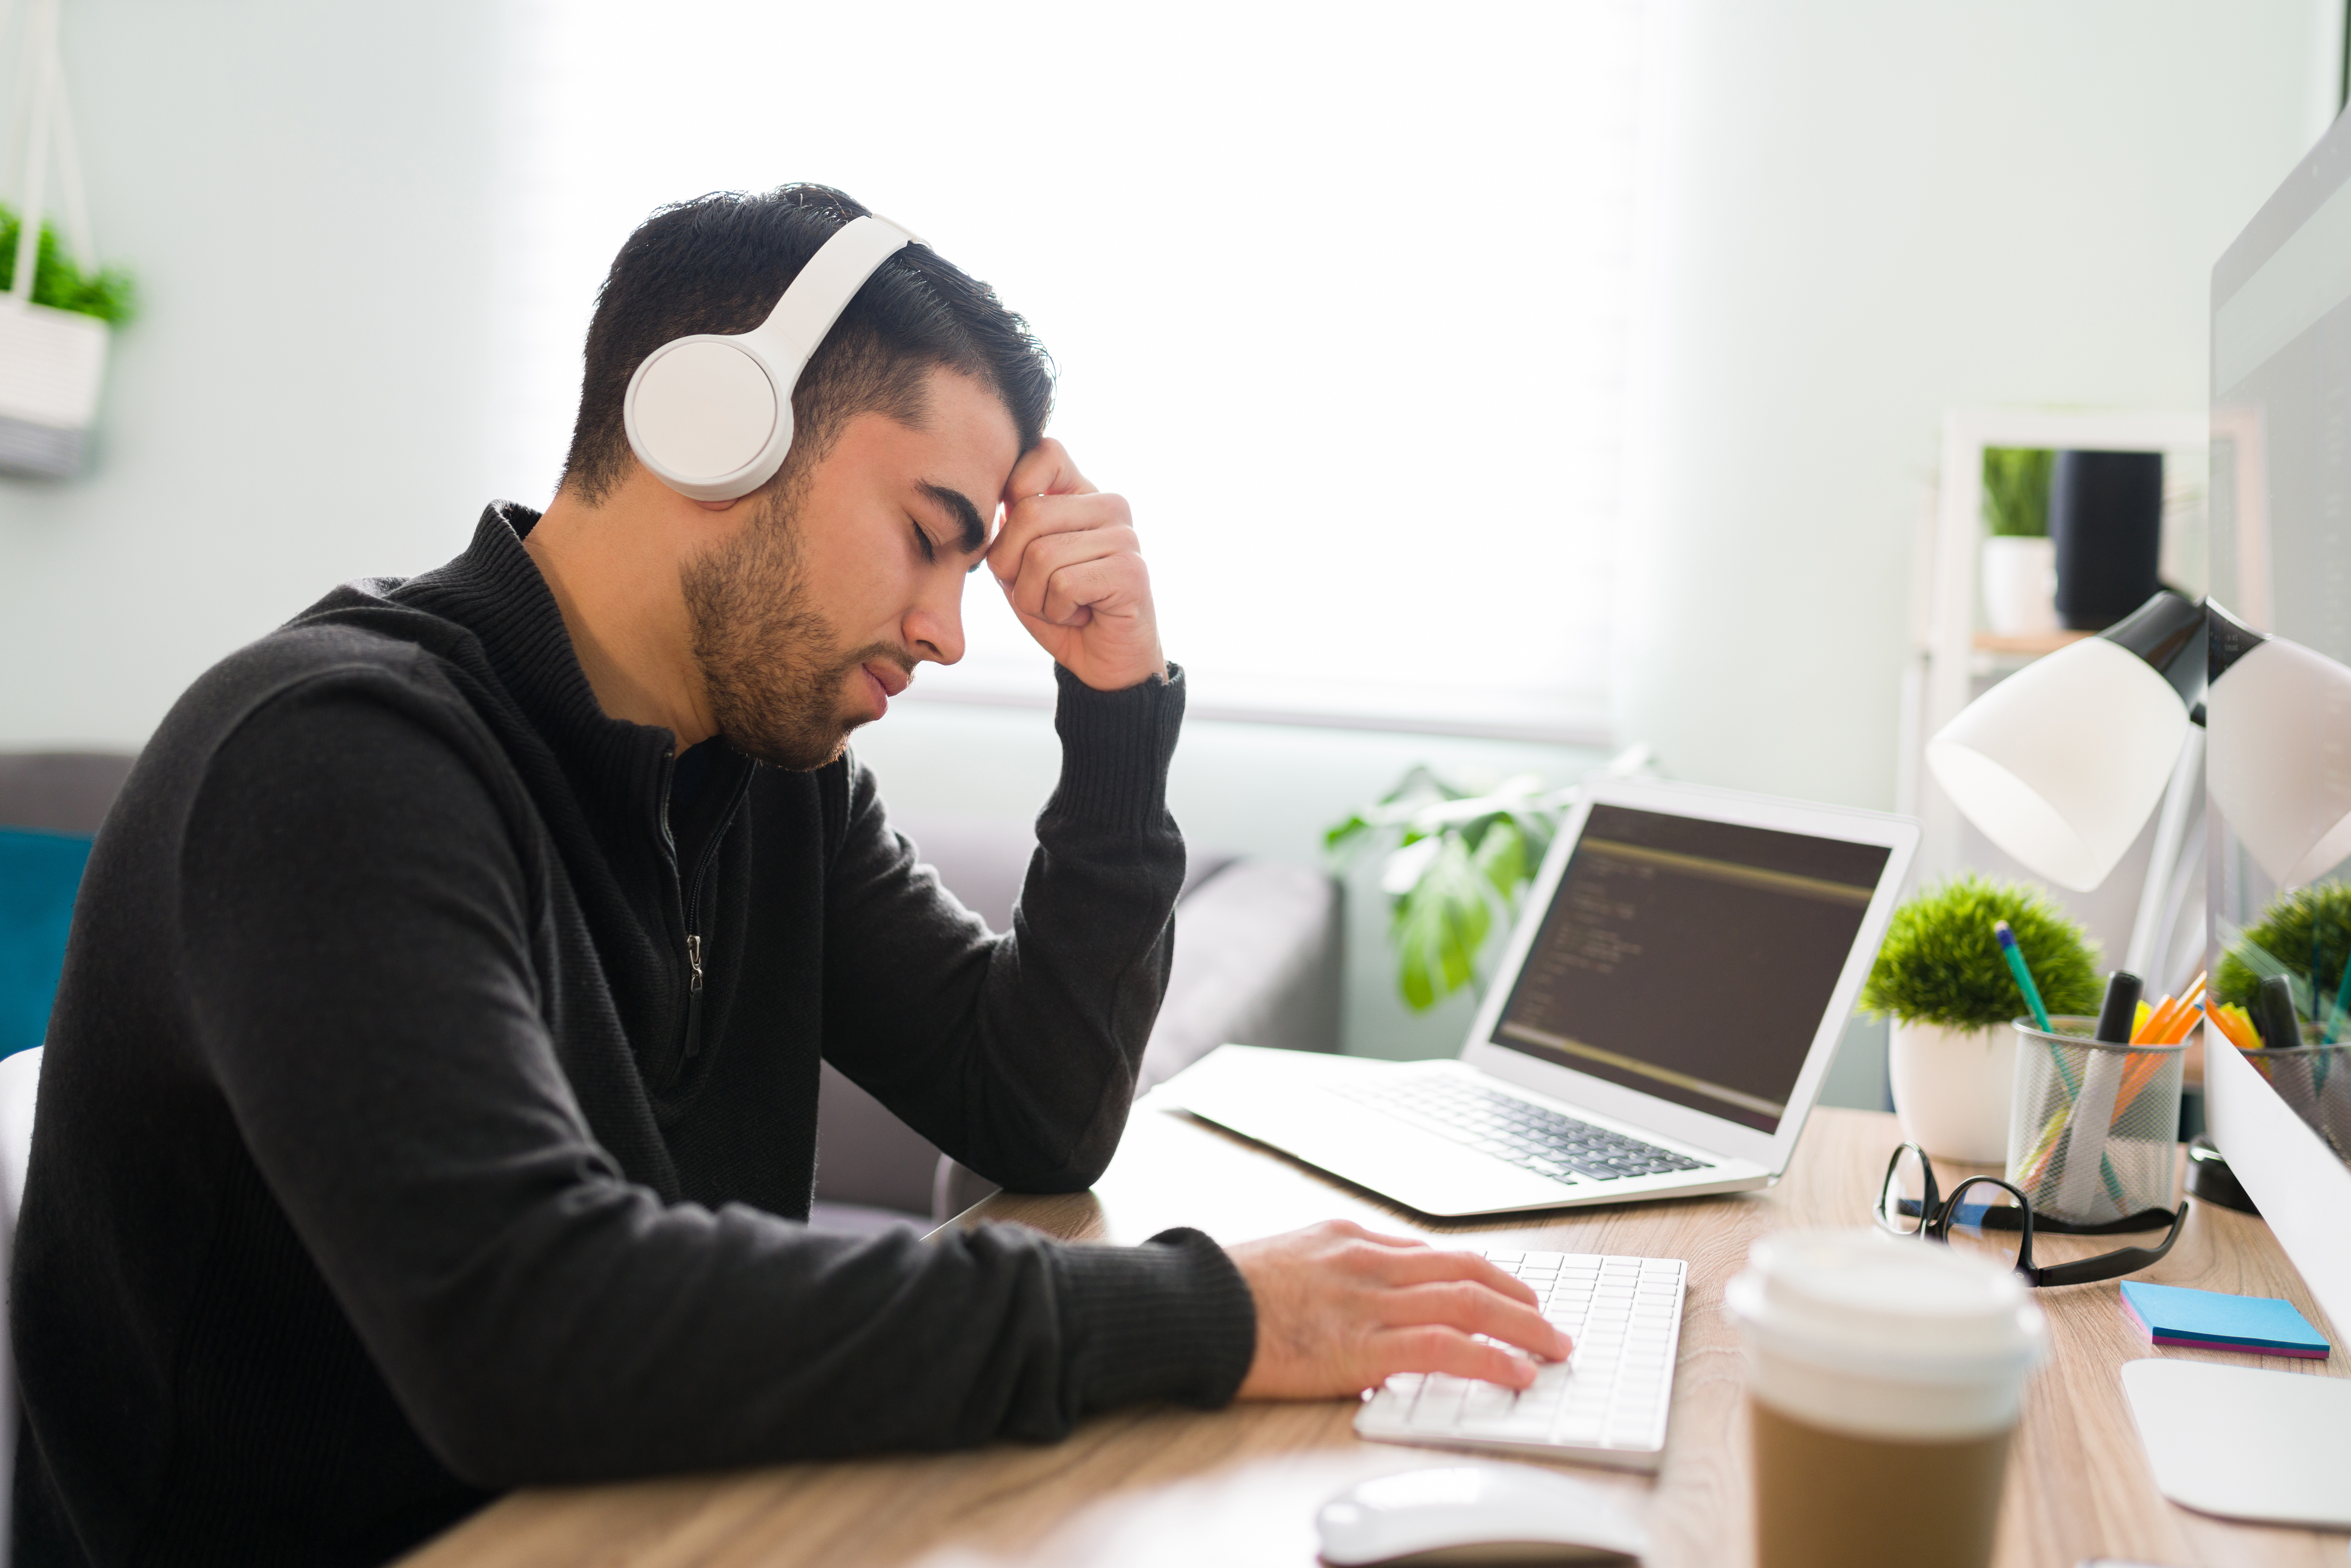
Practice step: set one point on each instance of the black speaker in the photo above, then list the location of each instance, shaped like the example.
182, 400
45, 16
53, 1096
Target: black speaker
2105, 518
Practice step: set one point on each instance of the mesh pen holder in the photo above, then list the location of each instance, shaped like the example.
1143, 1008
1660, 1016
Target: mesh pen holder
2316, 1080
2092, 1136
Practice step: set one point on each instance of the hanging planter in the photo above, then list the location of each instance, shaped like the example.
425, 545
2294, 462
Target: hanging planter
54, 319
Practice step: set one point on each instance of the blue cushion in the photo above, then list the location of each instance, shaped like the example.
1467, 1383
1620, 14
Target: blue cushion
38, 874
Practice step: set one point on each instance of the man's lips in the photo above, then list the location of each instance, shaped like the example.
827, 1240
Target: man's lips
888, 680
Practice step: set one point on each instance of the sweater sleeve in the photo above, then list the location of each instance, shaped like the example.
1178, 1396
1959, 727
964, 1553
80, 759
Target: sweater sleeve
1017, 1053
359, 934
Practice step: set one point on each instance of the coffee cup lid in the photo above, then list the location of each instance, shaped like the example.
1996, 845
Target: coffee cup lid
1904, 1309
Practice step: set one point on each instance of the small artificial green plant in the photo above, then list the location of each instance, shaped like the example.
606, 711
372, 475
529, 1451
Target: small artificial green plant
2303, 935
1454, 861
58, 283
1941, 964
2016, 491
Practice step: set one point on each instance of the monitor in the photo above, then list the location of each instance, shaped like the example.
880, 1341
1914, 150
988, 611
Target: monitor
2280, 565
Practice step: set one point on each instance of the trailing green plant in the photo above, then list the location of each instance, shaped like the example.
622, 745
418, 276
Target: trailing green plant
2016, 491
1454, 862
1941, 964
2303, 935
58, 283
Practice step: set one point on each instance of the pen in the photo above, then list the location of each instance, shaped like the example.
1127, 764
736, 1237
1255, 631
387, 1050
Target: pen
2008, 950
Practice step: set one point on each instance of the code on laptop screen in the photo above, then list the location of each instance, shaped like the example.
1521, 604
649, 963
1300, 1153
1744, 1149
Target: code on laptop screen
1691, 960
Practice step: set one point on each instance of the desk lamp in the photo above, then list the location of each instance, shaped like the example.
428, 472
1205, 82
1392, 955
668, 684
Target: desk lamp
2060, 764
2281, 764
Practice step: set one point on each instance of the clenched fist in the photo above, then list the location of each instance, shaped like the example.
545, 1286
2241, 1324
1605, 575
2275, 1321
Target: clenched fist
1070, 566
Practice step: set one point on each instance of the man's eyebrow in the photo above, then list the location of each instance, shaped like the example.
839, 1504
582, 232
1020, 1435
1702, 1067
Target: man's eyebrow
966, 516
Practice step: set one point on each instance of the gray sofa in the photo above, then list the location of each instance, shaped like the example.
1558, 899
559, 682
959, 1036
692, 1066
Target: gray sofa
1256, 961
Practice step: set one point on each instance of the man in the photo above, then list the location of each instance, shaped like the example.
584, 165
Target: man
430, 1100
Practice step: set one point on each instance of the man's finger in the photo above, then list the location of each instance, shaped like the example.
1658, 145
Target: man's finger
1473, 1309
1430, 1347
1037, 516
1045, 469
1076, 593
1046, 571
1424, 1266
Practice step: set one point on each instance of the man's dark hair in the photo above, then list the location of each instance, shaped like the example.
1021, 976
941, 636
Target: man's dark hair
720, 263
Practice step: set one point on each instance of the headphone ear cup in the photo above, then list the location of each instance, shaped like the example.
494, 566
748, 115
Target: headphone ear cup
706, 415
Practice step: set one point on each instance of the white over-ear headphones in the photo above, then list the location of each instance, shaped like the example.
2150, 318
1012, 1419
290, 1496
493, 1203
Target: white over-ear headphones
712, 414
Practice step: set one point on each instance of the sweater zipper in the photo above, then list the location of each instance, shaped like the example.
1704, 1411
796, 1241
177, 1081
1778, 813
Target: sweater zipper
694, 934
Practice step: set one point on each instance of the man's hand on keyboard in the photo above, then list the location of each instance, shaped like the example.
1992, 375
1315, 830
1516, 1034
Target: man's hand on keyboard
1340, 1309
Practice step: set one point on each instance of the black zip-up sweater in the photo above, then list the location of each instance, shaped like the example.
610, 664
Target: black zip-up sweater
388, 1155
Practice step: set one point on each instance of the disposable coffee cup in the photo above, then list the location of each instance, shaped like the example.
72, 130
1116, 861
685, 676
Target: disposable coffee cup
1883, 1378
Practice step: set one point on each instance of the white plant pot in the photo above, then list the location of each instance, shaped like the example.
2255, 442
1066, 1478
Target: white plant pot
2019, 586
1952, 1089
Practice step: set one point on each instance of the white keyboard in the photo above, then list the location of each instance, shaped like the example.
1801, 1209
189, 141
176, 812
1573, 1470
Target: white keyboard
1605, 1404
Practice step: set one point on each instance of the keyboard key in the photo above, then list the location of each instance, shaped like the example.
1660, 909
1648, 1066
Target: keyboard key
1547, 1142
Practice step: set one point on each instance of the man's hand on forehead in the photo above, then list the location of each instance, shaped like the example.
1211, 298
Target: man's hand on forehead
1072, 567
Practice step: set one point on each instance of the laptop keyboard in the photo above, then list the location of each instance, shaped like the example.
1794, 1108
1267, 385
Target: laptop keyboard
1517, 1131
1606, 1404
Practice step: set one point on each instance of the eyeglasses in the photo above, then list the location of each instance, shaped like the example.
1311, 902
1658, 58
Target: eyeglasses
1997, 1218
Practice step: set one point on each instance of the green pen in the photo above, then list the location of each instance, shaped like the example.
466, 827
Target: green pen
2008, 950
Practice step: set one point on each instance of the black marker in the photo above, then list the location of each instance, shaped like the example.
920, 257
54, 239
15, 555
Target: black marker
2275, 1015
2121, 1010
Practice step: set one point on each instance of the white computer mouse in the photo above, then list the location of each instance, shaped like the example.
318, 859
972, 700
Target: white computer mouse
1477, 1513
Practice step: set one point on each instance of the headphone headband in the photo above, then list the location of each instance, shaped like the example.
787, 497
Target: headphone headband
711, 414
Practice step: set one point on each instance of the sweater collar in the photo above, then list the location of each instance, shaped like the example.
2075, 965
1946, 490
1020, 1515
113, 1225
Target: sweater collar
494, 590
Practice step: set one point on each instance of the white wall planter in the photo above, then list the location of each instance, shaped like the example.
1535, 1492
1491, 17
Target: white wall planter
52, 362
2019, 586
1952, 1089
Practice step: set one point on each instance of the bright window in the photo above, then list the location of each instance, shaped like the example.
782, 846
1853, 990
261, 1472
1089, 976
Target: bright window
1339, 296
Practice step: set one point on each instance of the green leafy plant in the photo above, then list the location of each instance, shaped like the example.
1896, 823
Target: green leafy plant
2016, 491
1940, 963
2306, 936
106, 294
1454, 864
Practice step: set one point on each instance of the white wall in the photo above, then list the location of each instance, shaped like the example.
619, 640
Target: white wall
1869, 214
303, 192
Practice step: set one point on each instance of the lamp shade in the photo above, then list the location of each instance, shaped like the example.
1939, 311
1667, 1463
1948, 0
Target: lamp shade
2280, 769
2061, 763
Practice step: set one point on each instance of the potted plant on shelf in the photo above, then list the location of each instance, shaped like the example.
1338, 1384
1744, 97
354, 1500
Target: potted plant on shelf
2019, 563
1939, 977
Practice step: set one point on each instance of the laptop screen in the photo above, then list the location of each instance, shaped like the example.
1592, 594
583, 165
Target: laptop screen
1691, 960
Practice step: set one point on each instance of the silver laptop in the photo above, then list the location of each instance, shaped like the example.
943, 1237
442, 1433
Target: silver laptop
1677, 985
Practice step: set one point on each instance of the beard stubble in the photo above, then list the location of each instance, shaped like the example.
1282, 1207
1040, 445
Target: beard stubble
771, 664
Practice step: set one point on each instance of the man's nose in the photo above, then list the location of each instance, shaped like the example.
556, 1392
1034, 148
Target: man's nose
934, 626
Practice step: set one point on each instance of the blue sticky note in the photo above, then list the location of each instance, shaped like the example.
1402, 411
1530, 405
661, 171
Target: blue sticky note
39, 874
2207, 1320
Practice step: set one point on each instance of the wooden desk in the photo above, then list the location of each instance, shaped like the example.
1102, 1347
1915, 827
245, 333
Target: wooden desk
1240, 1485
